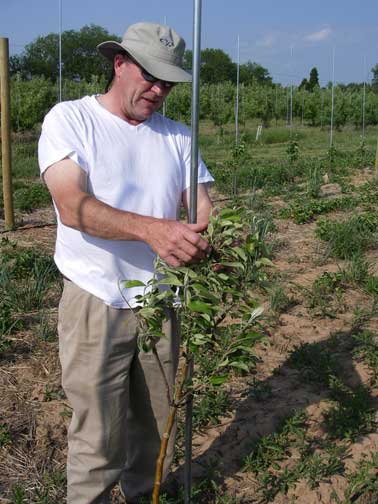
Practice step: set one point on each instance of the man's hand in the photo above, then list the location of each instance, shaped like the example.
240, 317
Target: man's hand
177, 243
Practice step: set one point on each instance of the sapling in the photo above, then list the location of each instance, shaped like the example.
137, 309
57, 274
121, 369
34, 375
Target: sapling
204, 294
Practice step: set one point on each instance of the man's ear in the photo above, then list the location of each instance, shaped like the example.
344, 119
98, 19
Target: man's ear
119, 60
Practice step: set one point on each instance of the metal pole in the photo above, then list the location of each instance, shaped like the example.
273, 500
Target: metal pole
332, 98
192, 220
364, 101
5, 133
164, 102
60, 50
291, 93
237, 96
195, 111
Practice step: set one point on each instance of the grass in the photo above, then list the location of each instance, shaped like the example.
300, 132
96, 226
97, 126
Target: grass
363, 482
281, 459
350, 237
29, 281
352, 415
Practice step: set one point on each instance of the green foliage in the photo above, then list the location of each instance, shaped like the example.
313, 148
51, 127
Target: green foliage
315, 363
363, 482
292, 151
30, 101
366, 349
314, 182
210, 406
5, 435
302, 210
350, 237
26, 276
324, 289
278, 299
216, 66
79, 54
353, 414
31, 197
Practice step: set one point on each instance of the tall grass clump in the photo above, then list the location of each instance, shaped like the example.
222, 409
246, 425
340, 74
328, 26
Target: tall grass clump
349, 238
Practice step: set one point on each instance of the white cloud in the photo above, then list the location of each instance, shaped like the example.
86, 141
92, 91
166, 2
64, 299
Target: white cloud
268, 41
319, 36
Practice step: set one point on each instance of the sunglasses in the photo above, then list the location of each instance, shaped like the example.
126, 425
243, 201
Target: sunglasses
150, 78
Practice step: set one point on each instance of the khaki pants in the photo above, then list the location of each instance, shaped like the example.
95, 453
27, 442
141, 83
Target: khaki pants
118, 396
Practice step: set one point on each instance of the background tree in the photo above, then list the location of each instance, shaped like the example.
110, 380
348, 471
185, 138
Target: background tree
374, 80
216, 66
79, 55
253, 73
314, 79
303, 85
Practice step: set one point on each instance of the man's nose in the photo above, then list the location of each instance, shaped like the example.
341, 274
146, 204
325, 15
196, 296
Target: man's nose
159, 88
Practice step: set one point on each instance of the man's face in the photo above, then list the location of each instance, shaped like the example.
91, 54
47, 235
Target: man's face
139, 98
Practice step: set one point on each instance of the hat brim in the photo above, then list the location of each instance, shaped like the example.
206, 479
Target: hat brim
155, 66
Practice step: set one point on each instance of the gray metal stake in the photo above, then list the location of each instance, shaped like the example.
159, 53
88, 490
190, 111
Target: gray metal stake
192, 220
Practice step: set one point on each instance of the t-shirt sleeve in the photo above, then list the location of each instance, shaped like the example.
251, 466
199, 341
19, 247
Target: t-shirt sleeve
204, 176
61, 137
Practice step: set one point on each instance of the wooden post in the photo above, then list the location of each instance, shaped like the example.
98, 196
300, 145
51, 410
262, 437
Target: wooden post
5, 133
376, 159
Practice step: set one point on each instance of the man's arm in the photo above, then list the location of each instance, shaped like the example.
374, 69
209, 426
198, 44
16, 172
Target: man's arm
204, 205
174, 242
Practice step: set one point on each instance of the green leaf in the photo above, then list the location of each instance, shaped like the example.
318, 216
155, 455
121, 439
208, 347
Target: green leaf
218, 380
264, 261
171, 280
148, 312
199, 306
240, 365
199, 339
223, 277
129, 284
240, 252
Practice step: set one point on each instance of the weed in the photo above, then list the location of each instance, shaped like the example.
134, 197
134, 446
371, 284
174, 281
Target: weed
292, 150
349, 238
273, 448
18, 495
366, 348
260, 390
323, 291
314, 362
353, 415
314, 182
363, 483
209, 407
5, 435
305, 209
356, 271
46, 330
31, 197
316, 467
279, 301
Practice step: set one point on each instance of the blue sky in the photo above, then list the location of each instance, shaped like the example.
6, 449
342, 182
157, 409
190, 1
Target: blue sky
286, 37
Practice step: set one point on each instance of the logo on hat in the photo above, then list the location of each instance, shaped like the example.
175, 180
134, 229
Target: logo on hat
167, 42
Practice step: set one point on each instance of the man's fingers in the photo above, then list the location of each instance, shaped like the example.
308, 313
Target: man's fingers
198, 227
196, 239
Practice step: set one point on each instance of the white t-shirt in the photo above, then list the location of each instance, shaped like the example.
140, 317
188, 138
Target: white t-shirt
142, 169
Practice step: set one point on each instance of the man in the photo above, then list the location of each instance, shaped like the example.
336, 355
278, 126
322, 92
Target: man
118, 172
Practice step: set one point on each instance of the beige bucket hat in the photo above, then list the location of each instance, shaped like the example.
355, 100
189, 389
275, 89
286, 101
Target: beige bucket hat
157, 48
